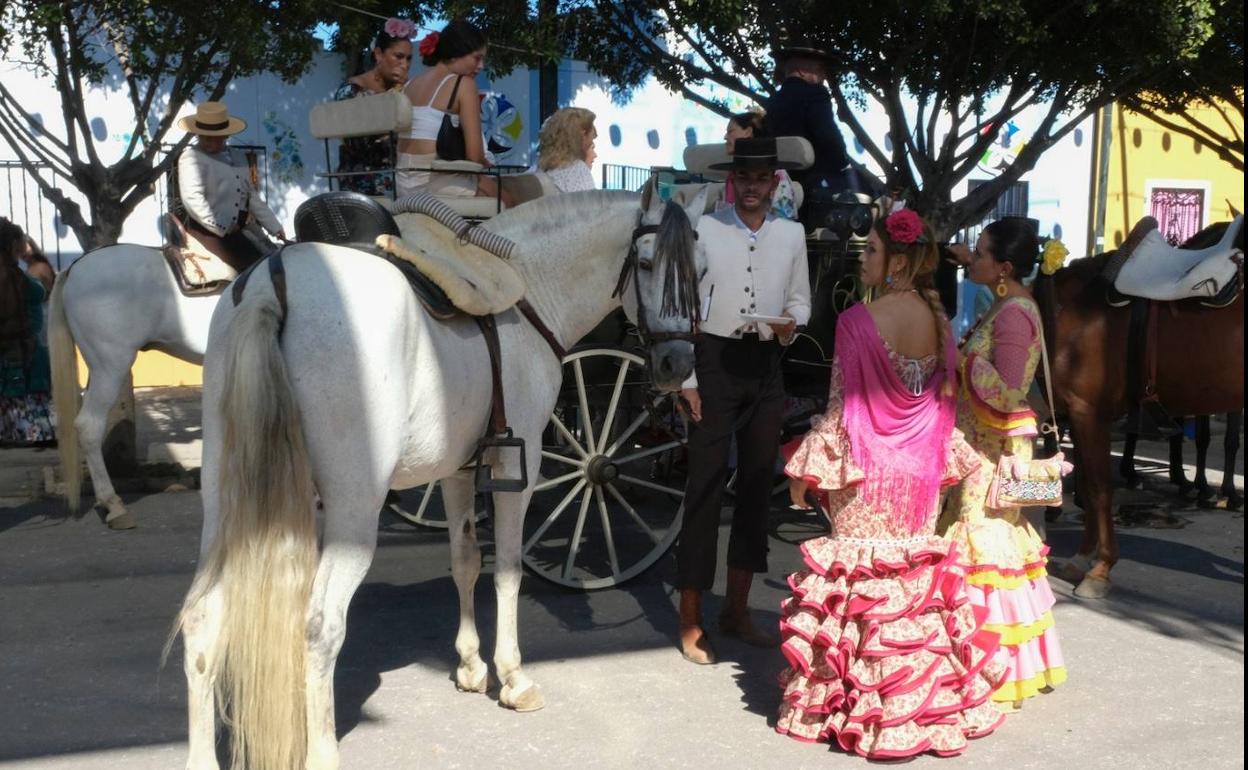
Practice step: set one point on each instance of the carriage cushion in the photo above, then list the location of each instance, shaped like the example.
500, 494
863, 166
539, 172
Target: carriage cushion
1154, 269
196, 270
476, 281
362, 116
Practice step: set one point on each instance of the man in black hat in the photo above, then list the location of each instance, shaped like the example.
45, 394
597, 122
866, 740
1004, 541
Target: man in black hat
755, 293
803, 107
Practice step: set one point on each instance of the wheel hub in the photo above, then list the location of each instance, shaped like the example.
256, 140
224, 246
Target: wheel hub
601, 470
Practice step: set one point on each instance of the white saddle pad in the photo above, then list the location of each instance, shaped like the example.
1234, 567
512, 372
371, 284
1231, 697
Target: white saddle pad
1156, 270
476, 281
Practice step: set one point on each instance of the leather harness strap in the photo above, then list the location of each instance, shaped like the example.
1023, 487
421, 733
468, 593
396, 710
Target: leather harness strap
528, 312
498, 410
277, 275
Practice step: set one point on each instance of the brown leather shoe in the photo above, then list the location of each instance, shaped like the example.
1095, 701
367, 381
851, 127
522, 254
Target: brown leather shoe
694, 645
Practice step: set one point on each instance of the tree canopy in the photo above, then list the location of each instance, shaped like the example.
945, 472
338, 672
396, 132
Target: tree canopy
948, 75
159, 54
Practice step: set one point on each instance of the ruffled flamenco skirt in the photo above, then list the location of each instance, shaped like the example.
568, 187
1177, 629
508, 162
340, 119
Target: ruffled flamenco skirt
1006, 576
886, 651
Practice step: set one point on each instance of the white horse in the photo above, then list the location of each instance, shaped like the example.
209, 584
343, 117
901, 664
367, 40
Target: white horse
113, 302
357, 390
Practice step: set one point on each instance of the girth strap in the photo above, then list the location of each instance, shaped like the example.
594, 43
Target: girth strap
498, 410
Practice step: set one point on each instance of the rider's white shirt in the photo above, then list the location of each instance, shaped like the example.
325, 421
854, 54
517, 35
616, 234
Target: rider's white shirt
761, 273
215, 188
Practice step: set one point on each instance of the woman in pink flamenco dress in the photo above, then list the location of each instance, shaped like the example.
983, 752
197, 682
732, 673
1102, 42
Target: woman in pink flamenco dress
1004, 555
886, 658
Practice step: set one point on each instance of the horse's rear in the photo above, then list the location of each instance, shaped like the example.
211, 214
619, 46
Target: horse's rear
301, 402
1199, 369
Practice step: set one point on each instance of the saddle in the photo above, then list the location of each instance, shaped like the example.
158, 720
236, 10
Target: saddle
196, 270
1148, 272
1148, 267
453, 268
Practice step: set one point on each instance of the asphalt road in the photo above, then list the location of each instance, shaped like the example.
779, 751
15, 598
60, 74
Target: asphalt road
1156, 672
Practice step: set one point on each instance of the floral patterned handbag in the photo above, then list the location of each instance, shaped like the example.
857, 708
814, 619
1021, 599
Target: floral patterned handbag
1019, 482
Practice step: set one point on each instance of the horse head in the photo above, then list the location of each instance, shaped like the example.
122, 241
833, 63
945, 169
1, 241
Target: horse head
665, 263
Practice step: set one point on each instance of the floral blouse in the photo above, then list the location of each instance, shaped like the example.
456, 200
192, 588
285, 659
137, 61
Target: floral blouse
364, 153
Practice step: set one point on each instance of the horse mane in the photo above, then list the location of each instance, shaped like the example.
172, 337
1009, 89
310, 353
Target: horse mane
551, 211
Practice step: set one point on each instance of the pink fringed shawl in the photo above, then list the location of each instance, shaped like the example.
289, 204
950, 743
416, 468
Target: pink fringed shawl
900, 440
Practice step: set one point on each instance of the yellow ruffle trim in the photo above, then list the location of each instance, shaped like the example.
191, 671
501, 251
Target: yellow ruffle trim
1014, 634
1016, 691
994, 579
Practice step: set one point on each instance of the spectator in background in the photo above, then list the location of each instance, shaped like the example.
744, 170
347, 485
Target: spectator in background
566, 149
25, 369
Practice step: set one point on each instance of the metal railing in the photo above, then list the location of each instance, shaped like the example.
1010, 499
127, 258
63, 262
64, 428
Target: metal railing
617, 177
27, 207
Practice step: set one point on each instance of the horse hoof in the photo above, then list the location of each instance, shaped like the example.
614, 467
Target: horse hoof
123, 521
528, 699
1092, 587
469, 679
1069, 571
1234, 502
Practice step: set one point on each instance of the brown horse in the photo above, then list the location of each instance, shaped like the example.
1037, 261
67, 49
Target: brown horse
1200, 370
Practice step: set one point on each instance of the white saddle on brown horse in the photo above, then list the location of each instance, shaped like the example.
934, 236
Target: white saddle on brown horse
1154, 269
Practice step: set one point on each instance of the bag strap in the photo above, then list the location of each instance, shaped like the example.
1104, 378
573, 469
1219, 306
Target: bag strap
450, 104
1048, 385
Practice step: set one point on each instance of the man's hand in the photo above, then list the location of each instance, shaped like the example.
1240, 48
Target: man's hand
784, 331
281, 236
691, 403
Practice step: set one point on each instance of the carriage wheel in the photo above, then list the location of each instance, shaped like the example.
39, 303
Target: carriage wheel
612, 475
427, 510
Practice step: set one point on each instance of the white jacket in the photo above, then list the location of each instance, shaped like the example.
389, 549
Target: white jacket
216, 188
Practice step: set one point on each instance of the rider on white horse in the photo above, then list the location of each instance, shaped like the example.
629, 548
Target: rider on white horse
223, 207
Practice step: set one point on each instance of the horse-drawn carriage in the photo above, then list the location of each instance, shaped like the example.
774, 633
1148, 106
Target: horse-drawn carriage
609, 499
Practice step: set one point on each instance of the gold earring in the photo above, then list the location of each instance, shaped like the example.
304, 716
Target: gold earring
1002, 289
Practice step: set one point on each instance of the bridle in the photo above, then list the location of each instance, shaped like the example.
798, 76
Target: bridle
628, 273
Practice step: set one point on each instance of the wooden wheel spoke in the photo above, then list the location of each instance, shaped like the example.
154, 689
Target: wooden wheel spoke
582, 397
651, 485
574, 547
613, 405
567, 435
654, 450
546, 484
554, 514
632, 512
607, 535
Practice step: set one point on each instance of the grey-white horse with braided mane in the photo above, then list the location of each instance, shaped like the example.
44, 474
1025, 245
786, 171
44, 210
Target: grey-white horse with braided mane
352, 389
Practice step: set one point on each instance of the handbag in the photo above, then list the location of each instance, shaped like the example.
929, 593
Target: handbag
1036, 482
450, 143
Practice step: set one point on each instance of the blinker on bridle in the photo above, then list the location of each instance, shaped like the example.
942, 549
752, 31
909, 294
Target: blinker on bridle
632, 265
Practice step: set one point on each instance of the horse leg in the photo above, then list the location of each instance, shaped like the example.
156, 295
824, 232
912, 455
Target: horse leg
1099, 542
1205, 496
1177, 475
472, 675
103, 387
350, 542
1230, 447
518, 690
1126, 466
201, 629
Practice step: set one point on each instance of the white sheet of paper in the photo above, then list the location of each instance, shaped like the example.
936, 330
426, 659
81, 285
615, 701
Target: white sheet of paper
766, 319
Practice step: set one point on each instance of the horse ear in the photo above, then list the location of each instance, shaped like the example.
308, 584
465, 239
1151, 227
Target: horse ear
695, 208
652, 202
1234, 211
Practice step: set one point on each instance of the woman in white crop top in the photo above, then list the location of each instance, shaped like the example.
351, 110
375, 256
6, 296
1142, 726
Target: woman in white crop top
454, 57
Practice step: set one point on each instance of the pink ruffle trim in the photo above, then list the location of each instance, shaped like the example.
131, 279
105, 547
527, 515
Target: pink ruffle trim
885, 649
1031, 658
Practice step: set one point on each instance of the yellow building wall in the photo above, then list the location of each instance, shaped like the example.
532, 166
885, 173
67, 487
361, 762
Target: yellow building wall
155, 369
1143, 152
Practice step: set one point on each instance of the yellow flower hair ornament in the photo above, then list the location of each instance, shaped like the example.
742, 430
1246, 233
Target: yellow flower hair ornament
1053, 256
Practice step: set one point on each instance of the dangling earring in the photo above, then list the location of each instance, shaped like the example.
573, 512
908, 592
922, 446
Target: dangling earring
888, 281
1002, 289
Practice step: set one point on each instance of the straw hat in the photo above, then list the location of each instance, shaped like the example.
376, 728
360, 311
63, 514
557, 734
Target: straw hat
212, 119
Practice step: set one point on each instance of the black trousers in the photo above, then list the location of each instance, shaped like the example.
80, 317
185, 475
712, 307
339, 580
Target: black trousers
742, 393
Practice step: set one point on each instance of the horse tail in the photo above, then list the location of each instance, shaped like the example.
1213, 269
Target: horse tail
264, 556
65, 395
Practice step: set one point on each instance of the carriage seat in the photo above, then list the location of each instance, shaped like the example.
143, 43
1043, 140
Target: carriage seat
196, 270
700, 157
386, 113
1147, 266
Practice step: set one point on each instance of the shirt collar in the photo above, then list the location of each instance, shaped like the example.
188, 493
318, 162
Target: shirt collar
752, 234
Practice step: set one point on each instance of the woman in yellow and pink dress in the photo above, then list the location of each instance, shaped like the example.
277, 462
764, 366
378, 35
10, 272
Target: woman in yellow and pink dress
887, 659
1005, 556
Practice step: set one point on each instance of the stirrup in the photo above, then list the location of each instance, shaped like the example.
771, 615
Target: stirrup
484, 479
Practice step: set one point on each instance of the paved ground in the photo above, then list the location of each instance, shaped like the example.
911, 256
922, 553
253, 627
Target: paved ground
1157, 674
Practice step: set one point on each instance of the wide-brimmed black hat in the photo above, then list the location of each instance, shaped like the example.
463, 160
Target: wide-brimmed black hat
759, 152
799, 47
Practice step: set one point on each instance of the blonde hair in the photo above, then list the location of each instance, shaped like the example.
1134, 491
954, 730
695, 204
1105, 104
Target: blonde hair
561, 140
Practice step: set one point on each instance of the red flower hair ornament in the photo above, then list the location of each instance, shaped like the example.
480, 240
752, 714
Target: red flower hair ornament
904, 226
429, 44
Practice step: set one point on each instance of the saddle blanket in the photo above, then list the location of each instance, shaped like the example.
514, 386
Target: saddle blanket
476, 282
1158, 271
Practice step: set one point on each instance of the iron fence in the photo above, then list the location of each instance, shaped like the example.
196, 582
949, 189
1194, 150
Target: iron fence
28, 208
617, 177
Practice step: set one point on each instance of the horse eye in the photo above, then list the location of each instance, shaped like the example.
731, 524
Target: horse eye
646, 264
